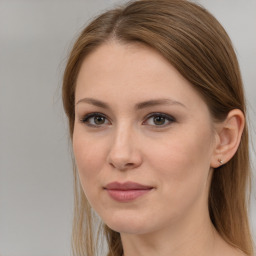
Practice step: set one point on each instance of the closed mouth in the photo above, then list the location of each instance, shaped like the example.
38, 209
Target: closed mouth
127, 186
126, 192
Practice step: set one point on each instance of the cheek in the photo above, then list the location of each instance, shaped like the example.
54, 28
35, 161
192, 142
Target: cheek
85, 156
89, 157
182, 163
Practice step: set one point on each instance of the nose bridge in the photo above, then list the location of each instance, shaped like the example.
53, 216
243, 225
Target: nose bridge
123, 151
122, 144
123, 136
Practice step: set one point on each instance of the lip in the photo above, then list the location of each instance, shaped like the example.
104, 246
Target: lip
128, 191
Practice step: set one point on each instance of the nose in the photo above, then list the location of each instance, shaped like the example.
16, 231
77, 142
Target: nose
124, 152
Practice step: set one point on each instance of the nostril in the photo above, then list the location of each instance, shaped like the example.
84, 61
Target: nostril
123, 156
122, 164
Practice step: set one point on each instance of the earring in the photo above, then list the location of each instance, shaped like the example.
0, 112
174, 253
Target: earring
220, 161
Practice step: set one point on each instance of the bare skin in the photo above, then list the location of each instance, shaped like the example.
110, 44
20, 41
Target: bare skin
139, 120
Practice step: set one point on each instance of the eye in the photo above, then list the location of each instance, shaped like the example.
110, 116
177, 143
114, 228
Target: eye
159, 119
95, 120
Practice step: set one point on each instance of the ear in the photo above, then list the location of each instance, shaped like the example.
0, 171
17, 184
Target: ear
228, 137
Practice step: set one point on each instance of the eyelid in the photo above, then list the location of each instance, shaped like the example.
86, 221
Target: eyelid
86, 117
170, 118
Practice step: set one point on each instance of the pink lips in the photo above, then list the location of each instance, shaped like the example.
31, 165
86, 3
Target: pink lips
128, 191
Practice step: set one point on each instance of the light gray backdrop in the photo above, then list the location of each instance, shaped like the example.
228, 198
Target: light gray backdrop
35, 167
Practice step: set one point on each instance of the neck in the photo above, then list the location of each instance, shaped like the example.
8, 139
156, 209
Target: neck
186, 239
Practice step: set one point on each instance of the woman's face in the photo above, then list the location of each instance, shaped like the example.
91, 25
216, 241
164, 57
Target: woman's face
143, 140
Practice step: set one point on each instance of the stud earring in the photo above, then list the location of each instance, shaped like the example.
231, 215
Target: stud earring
220, 161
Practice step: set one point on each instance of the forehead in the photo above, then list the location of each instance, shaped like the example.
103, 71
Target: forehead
131, 72
119, 58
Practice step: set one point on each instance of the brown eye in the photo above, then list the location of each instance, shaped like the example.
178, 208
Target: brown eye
99, 120
159, 120
95, 120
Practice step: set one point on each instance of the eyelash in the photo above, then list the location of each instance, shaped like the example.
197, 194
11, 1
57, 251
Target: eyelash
169, 118
87, 117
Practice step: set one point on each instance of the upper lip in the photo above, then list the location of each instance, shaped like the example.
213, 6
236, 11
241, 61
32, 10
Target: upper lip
126, 186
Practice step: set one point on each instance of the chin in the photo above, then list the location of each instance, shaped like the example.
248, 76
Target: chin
127, 228
129, 224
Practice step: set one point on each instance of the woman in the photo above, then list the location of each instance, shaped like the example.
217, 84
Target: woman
156, 110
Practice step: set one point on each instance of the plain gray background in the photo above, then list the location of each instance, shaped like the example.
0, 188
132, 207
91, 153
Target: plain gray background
35, 168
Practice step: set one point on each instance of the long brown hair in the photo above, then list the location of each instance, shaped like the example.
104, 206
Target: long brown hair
194, 42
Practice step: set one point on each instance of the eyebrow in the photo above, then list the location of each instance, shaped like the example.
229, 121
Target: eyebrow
138, 106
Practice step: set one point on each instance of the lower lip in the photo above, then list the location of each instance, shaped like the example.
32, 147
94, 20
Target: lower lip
126, 195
